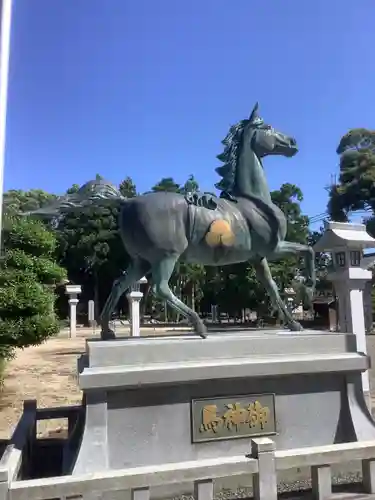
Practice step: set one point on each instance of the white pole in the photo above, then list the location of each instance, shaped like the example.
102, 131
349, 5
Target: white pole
5, 23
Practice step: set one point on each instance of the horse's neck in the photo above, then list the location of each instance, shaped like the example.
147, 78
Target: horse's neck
251, 186
250, 177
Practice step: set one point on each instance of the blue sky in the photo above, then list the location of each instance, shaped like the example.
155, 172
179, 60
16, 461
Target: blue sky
148, 88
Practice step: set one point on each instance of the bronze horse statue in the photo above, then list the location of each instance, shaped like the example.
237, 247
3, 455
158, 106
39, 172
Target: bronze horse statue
160, 228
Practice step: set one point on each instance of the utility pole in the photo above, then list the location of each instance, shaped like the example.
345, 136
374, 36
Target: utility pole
333, 182
5, 24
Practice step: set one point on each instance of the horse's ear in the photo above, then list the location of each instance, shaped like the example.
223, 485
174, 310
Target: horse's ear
254, 113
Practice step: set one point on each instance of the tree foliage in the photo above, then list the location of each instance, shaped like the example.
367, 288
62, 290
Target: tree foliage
128, 188
288, 198
17, 201
190, 185
166, 184
90, 248
27, 273
356, 184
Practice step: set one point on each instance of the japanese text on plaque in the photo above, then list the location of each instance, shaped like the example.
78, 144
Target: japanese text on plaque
235, 417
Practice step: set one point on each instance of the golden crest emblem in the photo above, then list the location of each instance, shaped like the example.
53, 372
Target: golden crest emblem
220, 234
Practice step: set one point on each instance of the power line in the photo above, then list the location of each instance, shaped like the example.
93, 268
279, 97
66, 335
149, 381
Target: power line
324, 215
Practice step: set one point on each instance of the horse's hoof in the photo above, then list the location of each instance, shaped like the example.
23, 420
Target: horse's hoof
107, 334
295, 327
201, 330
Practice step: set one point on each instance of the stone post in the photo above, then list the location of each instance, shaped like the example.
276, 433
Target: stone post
290, 294
265, 482
91, 313
72, 291
214, 313
134, 297
346, 242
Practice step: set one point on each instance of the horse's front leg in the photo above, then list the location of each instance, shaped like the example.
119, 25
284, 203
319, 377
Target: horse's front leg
290, 249
265, 277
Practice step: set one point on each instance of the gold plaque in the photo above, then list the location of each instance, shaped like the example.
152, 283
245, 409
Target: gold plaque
233, 417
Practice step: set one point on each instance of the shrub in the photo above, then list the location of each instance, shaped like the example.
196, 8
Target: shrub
27, 271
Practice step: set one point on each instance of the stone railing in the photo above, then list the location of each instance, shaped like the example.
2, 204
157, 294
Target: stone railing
262, 463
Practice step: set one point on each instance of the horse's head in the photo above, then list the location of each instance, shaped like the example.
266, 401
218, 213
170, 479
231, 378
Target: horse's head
265, 140
246, 141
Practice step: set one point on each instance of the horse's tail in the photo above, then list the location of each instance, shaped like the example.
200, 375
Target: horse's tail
91, 193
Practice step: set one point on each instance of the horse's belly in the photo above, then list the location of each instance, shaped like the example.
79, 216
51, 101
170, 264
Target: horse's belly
219, 256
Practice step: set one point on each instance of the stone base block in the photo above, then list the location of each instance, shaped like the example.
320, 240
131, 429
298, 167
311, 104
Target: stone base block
169, 399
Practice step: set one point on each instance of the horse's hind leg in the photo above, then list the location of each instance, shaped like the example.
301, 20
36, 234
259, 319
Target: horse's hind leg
288, 248
136, 270
265, 277
161, 273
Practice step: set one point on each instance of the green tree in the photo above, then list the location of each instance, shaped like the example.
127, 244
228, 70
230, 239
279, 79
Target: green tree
188, 280
240, 289
128, 188
190, 185
17, 201
28, 274
73, 189
90, 248
166, 184
323, 262
288, 198
356, 186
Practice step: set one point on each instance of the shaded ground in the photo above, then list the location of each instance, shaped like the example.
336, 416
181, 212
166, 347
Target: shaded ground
47, 373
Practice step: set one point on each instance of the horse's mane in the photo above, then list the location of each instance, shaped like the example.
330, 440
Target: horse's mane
229, 157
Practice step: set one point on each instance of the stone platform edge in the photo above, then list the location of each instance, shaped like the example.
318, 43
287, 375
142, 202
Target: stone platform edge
128, 376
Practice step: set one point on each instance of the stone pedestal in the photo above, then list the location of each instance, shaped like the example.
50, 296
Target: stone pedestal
170, 399
72, 291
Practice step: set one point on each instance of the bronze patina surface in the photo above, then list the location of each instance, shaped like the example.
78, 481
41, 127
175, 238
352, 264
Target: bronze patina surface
240, 224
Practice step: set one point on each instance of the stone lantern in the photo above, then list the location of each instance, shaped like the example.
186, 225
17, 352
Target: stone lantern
346, 242
134, 298
72, 291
